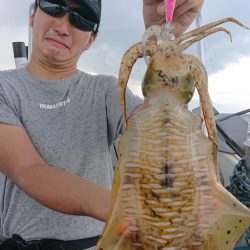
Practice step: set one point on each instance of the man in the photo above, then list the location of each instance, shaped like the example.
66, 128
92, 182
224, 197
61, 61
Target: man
56, 128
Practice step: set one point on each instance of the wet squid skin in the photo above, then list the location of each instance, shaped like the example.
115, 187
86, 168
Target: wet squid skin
167, 182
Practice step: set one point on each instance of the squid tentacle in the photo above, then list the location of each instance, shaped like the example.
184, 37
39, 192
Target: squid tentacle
199, 37
200, 30
201, 84
128, 60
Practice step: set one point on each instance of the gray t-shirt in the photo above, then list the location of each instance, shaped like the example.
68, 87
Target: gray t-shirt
72, 124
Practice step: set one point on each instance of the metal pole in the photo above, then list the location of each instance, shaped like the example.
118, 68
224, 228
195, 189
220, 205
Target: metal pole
200, 55
31, 9
200, 47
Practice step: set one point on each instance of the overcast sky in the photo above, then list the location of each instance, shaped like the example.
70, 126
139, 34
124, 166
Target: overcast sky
227, 64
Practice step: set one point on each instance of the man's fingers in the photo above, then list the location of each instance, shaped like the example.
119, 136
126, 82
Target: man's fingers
161, 10
187, 6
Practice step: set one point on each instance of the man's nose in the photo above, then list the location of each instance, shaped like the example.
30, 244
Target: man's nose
62, 25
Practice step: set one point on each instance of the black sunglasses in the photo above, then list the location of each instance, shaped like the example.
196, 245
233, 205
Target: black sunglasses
80, 18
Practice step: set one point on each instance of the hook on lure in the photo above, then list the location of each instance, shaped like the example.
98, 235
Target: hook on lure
167, 31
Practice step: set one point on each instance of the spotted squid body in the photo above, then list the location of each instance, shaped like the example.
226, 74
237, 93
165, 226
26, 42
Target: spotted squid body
167, 194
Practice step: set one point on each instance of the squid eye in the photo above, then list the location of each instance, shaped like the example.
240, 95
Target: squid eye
186, 82
187, 87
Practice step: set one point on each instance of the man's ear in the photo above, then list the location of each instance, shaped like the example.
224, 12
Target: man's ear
91, 41
31, 19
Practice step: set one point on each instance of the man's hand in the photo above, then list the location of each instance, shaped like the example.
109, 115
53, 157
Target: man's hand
184, 14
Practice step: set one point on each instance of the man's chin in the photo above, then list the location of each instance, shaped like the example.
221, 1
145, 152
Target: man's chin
56, 57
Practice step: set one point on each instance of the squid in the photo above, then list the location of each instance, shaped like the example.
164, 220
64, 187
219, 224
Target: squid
167, 193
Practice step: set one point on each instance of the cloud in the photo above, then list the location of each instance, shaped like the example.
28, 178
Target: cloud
218, 49
232, 84
121, 27
229, 88
13, 13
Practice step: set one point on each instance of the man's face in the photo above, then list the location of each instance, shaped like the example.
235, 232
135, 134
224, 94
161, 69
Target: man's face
56, 40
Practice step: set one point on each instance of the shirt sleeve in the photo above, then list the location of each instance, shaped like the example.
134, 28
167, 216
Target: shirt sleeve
114, 114
8, 114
